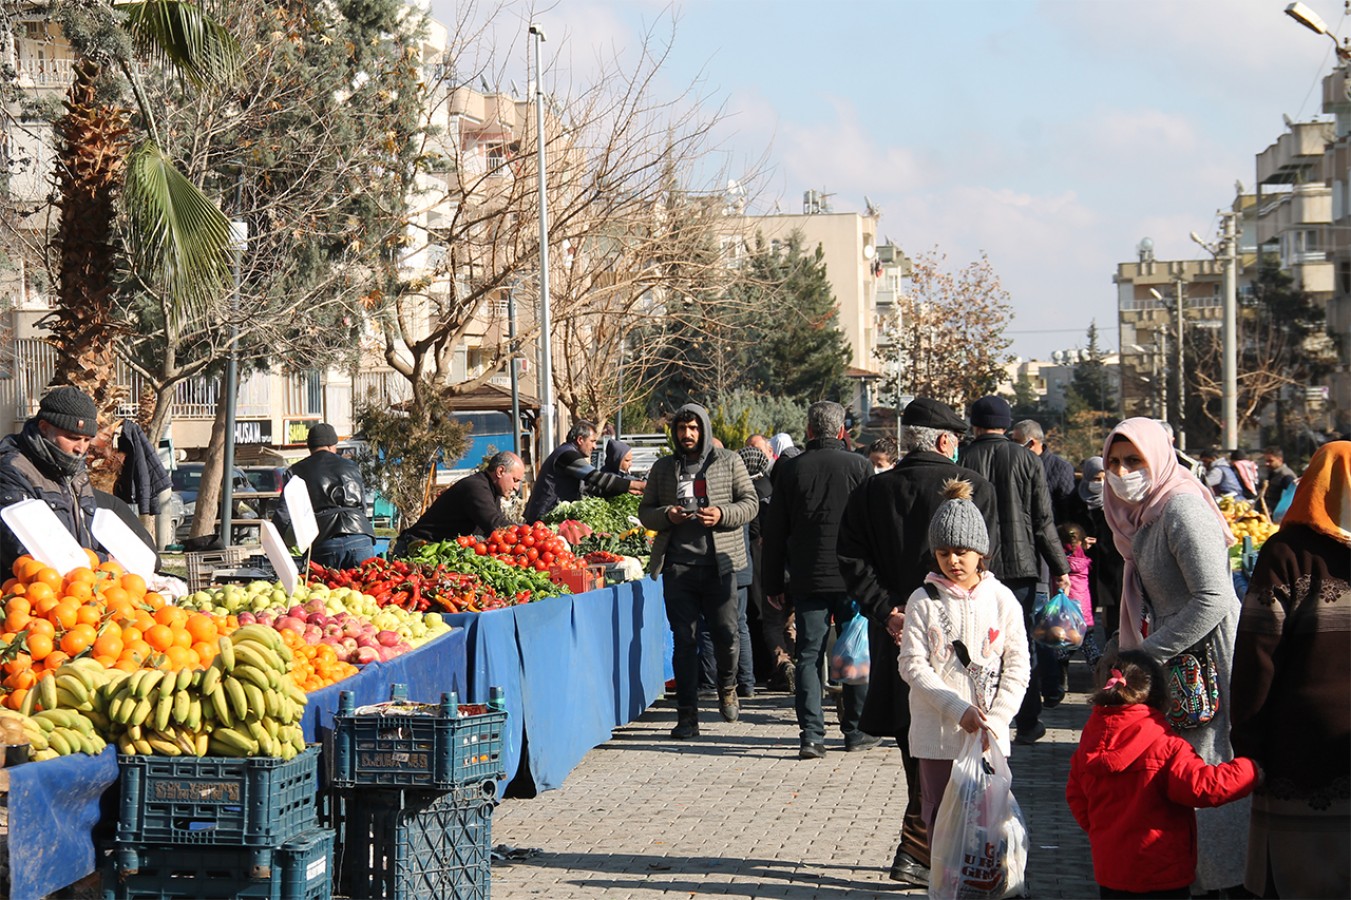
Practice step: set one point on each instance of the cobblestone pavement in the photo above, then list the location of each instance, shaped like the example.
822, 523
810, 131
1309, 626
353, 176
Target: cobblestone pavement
735, 813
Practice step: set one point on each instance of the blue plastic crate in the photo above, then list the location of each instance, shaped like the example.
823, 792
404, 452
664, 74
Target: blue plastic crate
217, 800
418, 751
303, 871
409, 844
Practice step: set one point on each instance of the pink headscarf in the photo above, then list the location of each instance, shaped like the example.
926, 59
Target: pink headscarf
1167, 480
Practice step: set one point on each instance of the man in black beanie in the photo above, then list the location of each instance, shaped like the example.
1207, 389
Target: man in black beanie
338, 495
45, 461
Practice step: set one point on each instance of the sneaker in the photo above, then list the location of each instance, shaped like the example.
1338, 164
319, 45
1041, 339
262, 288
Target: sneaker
1028, 736
729, 707
811, 751
907, 870
863, 742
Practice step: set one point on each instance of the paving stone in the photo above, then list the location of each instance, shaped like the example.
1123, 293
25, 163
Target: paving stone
734, 813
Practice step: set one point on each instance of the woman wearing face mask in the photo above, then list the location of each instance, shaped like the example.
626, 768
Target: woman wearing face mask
1104, 582
1177, 596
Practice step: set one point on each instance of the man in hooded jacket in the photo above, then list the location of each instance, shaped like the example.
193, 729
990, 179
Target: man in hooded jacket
45, 461
697, 500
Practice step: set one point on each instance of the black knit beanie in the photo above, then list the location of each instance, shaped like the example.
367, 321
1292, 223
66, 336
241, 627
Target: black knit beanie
321, 435
70, 409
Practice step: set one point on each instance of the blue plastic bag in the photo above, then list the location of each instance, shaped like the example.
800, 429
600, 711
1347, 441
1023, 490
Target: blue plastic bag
1059, 624
1284, 503
850, 659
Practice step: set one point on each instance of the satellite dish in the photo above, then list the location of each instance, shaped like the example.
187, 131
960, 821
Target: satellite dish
1289, 122
868, 251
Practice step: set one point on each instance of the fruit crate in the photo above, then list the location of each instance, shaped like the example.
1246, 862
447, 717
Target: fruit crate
440, 751
202, 563
580, 579
259, 802
304, 871
408, 844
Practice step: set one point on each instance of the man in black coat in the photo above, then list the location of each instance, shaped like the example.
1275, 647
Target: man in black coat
338, 496
884, 555
1059, 471
472, 505
1027, 537
800, 535
565, 470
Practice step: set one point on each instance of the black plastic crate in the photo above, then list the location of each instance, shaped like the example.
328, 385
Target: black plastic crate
440, 750
303, 871
217, 800
408, 844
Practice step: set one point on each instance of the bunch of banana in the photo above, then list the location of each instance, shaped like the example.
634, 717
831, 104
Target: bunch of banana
78, 685
57, 732
243, 704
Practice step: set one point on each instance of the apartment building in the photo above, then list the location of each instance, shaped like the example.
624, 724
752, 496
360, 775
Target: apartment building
1336, 173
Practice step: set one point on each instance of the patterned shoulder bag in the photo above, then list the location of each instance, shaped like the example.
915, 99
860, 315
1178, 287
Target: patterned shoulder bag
1193, 687
985, 679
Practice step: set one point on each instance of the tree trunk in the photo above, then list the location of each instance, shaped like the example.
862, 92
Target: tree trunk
213, 464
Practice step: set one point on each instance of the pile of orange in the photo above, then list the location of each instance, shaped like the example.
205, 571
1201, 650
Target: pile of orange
314, 666
98, 611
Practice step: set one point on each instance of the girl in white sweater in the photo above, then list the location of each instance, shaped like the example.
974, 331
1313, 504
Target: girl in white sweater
963, 648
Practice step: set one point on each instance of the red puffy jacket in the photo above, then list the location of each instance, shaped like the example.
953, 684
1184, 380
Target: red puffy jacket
1134, 786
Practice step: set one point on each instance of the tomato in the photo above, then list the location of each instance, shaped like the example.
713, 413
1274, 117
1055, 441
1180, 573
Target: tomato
509, 537
529, 540
546, 557
481, 549
532, 555
540, 566
464, 541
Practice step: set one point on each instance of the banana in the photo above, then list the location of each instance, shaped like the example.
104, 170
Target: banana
143, 747
45, 724
184, 679
135, 732
100, 721
295, 692
237, 739
257, 701
226, 656
147, 683
66, 700
125, 746
217, 747
238, 701
194, 719
273, 700
273, 727
247, 672
182, 705
268, 637
39, 740
220, 706
73, 684
210, 680
164, 708
164, 748
140, 712
61, 718
43, 755
265, 745
203, 741
252, 654
46, 691
57, 741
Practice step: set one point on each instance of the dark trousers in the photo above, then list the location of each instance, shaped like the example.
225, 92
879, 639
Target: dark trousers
1025, 589
745, 662
813, 613
344, 552
691, 592
914, 834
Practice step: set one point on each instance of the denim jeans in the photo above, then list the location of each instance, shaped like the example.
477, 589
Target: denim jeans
745, 662
344, 551
692, 592
814, 613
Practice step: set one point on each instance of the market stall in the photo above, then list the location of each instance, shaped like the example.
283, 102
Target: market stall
572, 668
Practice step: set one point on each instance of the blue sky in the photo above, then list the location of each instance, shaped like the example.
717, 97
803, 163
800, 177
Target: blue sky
1050, 135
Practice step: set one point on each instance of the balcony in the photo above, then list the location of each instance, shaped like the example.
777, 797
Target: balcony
1295, 153
45, 73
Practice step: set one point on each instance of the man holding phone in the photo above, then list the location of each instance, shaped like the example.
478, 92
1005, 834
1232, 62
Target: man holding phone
697, 500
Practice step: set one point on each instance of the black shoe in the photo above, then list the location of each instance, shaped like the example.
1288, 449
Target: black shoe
708, 693
865, 742
1028, 736
811, 751
745, 690
1052, 702
687, 725
907, 870
729, 707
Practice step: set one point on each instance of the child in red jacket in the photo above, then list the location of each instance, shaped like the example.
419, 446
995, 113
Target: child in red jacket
1134, 786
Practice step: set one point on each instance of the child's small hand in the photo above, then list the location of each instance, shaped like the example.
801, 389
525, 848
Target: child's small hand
972, 720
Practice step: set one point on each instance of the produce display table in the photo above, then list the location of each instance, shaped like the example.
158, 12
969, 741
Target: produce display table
54, 805
572, 668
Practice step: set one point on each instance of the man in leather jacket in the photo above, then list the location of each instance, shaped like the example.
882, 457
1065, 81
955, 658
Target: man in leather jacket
45, 461
338, 496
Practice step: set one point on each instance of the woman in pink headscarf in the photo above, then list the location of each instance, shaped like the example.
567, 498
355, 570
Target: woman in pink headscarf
1177, 595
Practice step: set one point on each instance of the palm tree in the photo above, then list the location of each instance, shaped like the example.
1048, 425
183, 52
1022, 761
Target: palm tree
176, 240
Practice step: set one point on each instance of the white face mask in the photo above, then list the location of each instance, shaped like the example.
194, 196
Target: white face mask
1095, 487
1131, 487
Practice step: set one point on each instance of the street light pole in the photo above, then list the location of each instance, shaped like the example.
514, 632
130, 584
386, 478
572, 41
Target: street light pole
546, 392
1181, 428
1229, 251
239, 238
515, 380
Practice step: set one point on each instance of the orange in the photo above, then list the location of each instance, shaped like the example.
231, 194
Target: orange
9, 585
133, 584
171, 615
131, 633
18, 604
154, 600
55, 660
182, 638
106, 661
21, 680
109, 645
45, 605
42, 627
202, 627
94, 561
17, 621
127, 664
18, 567
15, 700
90, 614
40, 646
18, 588
19, 662
78, 639
137, 650
66, 614
115, 595
48, 576
179, 657
112, 567
159, 637
79, 590
80, 573
38, 591
205, 652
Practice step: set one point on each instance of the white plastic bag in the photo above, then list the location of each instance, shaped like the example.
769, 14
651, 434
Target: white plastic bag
979, 846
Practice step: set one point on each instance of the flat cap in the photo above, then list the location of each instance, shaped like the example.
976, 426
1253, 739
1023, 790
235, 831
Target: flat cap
924, 412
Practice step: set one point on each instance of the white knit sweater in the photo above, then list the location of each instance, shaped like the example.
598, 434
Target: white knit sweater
989, 621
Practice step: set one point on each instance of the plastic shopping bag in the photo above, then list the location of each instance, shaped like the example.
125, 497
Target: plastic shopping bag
1059, 624
850, 659
978, 850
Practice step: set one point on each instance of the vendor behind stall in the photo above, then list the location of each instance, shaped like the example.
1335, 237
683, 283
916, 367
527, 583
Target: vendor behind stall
471, 505
568, 468
338, 496
45, 461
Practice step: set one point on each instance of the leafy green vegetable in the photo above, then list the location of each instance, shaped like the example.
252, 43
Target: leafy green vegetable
609, 516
